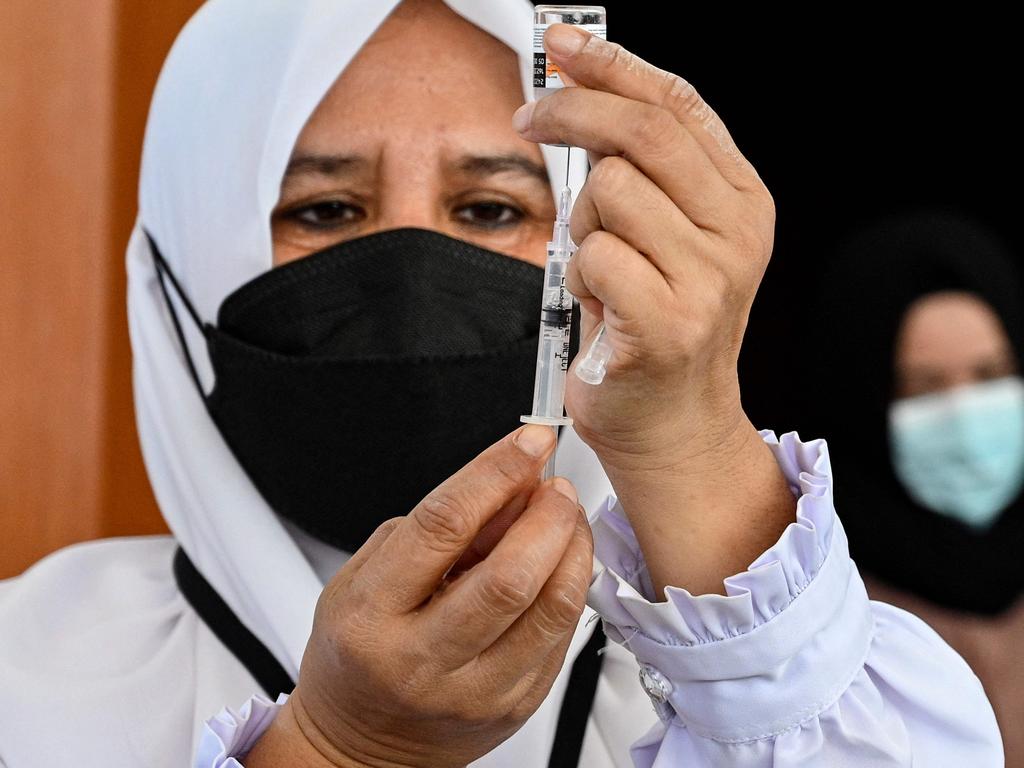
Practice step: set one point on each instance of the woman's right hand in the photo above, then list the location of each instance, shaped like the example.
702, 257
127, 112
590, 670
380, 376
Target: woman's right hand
441, 636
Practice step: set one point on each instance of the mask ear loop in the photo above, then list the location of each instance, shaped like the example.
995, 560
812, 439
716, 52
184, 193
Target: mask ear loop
162, 269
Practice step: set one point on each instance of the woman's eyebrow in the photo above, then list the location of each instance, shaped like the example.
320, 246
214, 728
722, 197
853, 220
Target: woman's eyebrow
324, 165
489, 165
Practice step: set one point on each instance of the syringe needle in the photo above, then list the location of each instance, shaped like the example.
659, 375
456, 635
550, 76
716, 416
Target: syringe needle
567, 151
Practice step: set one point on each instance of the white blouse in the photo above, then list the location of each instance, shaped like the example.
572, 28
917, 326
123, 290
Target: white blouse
794, 666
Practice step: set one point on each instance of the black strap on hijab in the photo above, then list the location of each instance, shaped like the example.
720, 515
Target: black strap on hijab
848, 368
223, 622
164, 271
273, 679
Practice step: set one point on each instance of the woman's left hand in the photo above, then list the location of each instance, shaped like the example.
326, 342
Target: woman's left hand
674, 228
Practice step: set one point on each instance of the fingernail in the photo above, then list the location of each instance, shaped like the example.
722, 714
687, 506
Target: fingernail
534, 439
565, 39
522, 116
565, 488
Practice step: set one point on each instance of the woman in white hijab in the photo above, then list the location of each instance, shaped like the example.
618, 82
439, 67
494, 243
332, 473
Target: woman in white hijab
257, 153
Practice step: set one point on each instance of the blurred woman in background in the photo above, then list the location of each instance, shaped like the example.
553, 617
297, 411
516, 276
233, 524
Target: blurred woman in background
918, 386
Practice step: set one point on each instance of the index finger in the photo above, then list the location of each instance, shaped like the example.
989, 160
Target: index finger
410, 565
596, 63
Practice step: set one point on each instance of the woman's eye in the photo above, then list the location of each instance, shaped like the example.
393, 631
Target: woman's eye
489, 215
329, 213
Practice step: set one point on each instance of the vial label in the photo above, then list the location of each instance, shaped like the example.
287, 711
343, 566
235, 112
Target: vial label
545, 72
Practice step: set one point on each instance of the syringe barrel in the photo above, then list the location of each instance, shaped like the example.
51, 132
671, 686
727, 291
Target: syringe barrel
553, 347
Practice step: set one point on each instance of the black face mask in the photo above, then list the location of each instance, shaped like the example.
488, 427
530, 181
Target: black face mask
350, 383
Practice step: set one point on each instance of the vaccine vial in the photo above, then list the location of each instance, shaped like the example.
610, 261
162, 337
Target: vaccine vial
546, 77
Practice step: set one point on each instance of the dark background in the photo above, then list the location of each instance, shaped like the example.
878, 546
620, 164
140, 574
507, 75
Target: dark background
846, 119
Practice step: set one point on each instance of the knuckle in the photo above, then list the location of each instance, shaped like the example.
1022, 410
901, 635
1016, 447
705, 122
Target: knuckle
705, 115
507, 589
596, 246
546, 112
510, 471
573, 595
768, 202
583, 551
720, 284
583, 542
417, 665
581, 222
444, 520
610, 174
323, 613
680, 98
684, 98
467, 711
523, 709
359, 591
574, 279
693, 338
338, 600
696, 322
655, 128
613, 55
385, 529
594, 263
759, 208
754, 243
560, 613
352, 632
677, 94
411, 679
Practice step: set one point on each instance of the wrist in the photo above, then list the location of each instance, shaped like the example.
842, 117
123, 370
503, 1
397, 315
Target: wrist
691, 443
285, 742
707, 511
294, 739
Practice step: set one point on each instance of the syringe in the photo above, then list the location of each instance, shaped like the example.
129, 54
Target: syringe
555, 325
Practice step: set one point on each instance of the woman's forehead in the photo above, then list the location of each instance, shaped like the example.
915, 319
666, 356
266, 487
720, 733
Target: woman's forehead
437, 23
425, 41
426, 77
950, 325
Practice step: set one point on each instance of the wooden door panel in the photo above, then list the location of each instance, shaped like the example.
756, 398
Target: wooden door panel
75, 84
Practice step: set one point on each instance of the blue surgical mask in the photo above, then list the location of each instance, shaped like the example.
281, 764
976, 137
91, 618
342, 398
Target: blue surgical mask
961, 453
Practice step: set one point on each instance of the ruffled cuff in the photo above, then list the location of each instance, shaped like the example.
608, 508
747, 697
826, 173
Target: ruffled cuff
230, 735
781, 644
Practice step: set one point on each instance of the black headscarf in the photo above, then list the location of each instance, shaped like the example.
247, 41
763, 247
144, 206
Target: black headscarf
858, 307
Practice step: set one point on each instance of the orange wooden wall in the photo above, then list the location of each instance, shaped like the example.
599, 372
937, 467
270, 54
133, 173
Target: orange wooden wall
75, 83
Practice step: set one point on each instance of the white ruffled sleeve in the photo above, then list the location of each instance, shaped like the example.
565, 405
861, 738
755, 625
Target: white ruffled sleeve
794, 666
230, 734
